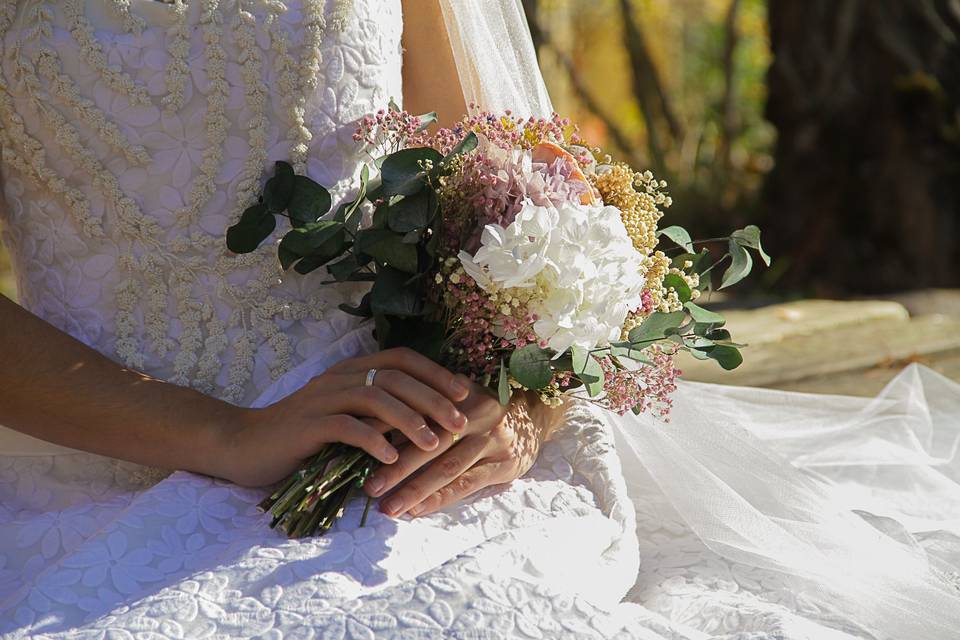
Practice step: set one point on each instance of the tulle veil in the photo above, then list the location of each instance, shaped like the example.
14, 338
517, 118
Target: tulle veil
833, 491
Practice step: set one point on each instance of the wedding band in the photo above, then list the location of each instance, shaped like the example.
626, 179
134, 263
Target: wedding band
456, 437
370, 377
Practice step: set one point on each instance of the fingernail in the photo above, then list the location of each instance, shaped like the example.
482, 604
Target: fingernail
393, 505
459, 387
415, 511
390, 454
376, 485
430, 438
459, 419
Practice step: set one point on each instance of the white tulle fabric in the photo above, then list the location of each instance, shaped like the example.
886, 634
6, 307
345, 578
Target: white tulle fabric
495, 56
751, 515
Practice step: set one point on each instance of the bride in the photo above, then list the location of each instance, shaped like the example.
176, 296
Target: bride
133, 132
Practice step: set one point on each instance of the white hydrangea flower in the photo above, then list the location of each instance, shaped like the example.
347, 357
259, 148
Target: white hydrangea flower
581, 258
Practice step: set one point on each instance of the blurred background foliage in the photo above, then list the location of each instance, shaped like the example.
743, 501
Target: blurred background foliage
833, 124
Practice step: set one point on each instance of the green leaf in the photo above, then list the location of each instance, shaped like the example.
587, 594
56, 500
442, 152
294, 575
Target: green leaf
361, 310
308, 264
719, 335
629, 351
726, 356
749, 236
254, 226
586, 367
412, 213
393, 295
468, 144
310, 237
321, 241
347, 209
530, 366
279, 188
656, 326
308, 201
703, 316
426, 120
740, 265
699, 261
503, 385
287, 257
679, 236
402, 172
678, 284
388, 247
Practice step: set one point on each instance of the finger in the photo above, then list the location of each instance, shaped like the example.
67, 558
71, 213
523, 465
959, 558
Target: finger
382, 428
466, 484
441, 472
411, 458
455, 387
350, 430
421, 397
374, 402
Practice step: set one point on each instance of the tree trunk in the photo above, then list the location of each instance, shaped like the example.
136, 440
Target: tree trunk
865, 96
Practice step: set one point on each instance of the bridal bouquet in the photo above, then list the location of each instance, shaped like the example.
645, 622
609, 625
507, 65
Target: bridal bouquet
506, 250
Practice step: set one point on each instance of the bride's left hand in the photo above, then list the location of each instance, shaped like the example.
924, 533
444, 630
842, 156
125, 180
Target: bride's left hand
499, 445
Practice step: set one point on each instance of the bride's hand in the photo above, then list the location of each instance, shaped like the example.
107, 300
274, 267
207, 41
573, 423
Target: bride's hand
408, 389
499, 445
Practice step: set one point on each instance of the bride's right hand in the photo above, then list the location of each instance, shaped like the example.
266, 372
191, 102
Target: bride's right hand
408, 388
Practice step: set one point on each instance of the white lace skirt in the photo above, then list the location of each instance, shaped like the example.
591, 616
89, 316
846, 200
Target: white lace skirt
733, 521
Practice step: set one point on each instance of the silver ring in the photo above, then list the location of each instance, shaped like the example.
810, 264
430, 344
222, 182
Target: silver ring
371, 375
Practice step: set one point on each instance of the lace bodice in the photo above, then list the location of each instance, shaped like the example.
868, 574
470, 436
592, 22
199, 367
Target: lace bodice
134, 132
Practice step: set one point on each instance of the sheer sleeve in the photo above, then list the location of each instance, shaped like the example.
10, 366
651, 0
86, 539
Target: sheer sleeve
495, 58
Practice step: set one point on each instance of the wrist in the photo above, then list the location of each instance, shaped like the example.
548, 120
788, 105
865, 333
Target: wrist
216, 442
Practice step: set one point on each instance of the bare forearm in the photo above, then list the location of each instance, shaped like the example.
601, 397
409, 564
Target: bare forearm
55, 388
430, 80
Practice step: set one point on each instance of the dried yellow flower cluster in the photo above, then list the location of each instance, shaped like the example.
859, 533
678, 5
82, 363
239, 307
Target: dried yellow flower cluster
639, 198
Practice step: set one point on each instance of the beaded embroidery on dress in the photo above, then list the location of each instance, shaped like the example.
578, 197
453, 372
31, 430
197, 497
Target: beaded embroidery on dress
133, 132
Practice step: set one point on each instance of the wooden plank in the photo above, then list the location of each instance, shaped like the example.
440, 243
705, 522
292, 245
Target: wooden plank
852, 347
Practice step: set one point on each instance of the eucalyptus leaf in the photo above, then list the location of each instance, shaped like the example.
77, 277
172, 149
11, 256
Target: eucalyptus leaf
586, 367
629, 351
388, 247
503, 384
412, 213
310, 237
678, 284
656, 326
346, 210
468, 144
402, 172
679, 236
255, 225
308, 201
287, 257
740, 265
728, 357
426, 120
718, 335
530, 366
704, 316
392, 294
362, 310
279, 188
749, 236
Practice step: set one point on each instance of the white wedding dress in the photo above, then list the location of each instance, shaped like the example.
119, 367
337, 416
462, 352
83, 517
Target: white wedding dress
133, 133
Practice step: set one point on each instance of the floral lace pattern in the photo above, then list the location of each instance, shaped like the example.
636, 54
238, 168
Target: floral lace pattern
131, 142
